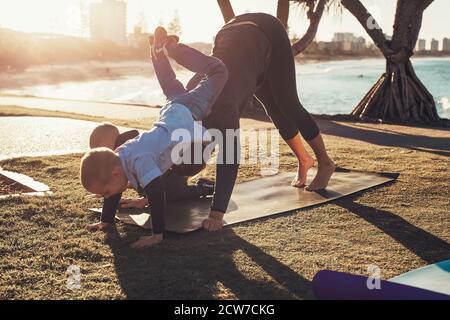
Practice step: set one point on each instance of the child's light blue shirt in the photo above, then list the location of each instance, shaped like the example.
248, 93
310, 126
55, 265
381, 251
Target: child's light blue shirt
149, 155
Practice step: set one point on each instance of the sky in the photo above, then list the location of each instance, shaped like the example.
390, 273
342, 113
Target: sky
201, 19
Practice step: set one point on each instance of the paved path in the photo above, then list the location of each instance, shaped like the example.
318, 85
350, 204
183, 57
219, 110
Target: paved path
99, 109
35, 136
39, 136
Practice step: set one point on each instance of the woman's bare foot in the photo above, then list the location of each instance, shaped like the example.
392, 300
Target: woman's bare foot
302, 173
147, 241
324, 172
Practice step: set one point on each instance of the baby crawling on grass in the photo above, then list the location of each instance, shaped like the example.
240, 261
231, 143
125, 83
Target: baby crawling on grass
175, 179
141, 162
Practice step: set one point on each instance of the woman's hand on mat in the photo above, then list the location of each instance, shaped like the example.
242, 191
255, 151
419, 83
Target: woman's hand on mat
138, 203
99, 226
147, 241
214, 221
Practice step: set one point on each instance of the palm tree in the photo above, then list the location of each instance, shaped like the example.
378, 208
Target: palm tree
283, 7
227, 9
398, 94
314, 10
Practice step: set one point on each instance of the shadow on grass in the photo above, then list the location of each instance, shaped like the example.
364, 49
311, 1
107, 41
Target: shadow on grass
191, 266
435, 145
420, 242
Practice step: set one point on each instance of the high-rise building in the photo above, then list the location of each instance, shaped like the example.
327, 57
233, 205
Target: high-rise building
345, 41
343, 37
138, 39
434, 45
108, 21
421, 45
446, 45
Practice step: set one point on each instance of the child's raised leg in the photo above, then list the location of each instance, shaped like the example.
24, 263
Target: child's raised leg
215, 73
167, 79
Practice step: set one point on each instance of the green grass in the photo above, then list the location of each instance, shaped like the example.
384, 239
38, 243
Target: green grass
398, 227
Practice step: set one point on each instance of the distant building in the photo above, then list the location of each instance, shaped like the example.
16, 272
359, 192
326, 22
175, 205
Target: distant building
421, 45
108, 21
434, 45
446, 45
346, 46
359, 44
347, 42
326, 46
138, 39
343, 37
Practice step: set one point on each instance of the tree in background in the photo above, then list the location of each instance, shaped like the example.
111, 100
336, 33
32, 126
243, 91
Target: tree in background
314, 12
314, 9
174, 26
398, 94
226, 9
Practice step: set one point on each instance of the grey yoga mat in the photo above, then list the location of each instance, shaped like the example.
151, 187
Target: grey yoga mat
259, 198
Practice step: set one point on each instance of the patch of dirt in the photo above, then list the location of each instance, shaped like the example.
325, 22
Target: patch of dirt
9, 186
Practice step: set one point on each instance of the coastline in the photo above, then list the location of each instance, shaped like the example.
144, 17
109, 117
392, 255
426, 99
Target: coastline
122, 83
110, 70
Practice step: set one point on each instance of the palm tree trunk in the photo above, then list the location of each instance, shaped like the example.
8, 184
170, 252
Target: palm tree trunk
314, 15
283, 12
226, 9
399, 94
368, 22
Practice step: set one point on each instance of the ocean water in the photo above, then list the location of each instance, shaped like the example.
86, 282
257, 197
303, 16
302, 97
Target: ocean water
324, 88
337, 87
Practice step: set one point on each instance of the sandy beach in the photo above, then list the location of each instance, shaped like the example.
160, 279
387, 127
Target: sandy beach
55, 74
95, 70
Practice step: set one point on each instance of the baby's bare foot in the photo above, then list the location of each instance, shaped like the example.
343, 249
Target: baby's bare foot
324, 173
302, 173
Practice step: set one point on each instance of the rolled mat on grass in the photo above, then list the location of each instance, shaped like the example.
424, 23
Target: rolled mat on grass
332, 285
435, 277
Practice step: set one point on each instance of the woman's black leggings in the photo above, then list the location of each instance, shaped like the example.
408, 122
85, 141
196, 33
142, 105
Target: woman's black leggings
257, 53
278, 92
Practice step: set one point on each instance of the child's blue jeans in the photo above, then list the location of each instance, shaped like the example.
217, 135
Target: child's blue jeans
200, 99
